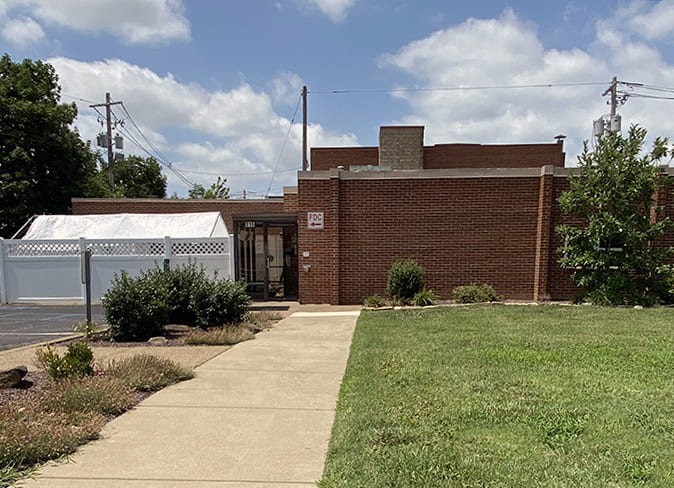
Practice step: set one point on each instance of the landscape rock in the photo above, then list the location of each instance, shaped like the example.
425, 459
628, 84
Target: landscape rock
158, 341
12, 377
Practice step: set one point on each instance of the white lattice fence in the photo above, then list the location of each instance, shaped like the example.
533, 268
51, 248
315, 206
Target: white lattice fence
49, 271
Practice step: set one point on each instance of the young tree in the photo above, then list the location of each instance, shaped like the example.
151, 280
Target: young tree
43, 162
218, 190
614, 251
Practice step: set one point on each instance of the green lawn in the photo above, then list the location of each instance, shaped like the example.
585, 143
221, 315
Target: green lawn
507, 396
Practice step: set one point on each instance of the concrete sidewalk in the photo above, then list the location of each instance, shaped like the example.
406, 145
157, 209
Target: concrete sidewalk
258, 415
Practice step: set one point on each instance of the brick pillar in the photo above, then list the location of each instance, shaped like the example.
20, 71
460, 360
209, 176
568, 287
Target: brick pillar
543, 230
333, 232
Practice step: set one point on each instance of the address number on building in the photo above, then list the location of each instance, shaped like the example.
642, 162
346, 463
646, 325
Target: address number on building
315, 220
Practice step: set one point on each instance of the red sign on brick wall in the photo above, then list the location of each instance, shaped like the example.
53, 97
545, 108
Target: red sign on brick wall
315, 220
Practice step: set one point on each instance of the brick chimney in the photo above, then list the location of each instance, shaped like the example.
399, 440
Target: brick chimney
401, 147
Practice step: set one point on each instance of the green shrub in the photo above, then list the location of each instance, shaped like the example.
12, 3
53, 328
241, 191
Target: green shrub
374, 301
139, 308
136, 308
180, 283
405, 279
77, 361
476, 294
218, 302
424, 298
219, 336
145, 372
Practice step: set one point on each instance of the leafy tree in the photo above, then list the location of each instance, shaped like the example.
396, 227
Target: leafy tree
614, 251
43, 162
218, 190
135, 177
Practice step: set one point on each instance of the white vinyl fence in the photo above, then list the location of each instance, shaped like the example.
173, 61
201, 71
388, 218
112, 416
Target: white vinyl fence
50, 271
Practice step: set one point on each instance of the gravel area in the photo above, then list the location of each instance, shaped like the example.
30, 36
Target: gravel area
33, 385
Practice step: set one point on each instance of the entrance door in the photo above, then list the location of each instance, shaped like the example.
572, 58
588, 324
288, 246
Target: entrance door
267, 259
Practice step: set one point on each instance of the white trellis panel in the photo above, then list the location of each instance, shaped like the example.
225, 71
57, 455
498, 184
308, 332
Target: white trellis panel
49, 270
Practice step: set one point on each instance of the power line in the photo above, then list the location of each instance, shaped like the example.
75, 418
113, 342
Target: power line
236, 174
78, 98
278, 161
456, 88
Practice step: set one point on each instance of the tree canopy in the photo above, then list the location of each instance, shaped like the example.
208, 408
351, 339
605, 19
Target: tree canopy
43, 162
135, 177
218, 190
614, 248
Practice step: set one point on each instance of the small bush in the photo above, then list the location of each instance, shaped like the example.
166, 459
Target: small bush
139, 308
136, 308
219, 336
424, 298
77, 361
405, 279
101, 394
218, 302
476, 294
374, 301
145, 372
180, 283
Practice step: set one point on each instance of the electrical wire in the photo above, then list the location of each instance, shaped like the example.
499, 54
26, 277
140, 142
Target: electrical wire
236, 174
455, 88
285, 141
78, 99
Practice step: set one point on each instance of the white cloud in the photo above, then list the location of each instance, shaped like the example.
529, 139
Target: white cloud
133, 21
507, 51
236, 133
653, 23
335, 10
286, 87
21, 31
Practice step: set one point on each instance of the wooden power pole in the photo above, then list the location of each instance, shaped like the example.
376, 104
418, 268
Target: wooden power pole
305, 162
108, 120
613, 90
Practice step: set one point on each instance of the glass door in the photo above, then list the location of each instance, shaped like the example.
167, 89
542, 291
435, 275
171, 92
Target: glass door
267, 259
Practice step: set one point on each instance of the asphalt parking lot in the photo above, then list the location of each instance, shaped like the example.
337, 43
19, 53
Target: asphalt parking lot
22, 325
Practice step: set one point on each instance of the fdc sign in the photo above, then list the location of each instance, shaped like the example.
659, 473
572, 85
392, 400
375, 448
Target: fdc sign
315, 220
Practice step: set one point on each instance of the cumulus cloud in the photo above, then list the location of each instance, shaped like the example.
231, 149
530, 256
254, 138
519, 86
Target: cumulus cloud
21, 31
236, 133
507, 51
335, 10
133, 21
652, 22
285, 88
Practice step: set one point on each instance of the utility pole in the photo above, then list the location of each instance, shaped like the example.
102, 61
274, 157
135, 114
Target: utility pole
108, 119
613, 90
305, 163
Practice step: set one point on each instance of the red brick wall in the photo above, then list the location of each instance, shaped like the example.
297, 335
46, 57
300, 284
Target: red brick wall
447, 156
324, 158
227, 208
493, 156
290, 202
318, 272
461, 230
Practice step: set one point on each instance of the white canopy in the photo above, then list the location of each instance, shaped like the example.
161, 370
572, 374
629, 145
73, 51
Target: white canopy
127, 226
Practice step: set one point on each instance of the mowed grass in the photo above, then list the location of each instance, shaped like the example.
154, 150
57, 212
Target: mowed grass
507, 396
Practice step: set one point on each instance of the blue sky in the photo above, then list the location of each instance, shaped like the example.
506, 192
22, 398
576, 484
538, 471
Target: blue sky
213, 85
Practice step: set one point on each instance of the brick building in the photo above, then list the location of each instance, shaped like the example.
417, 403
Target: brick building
468, 213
